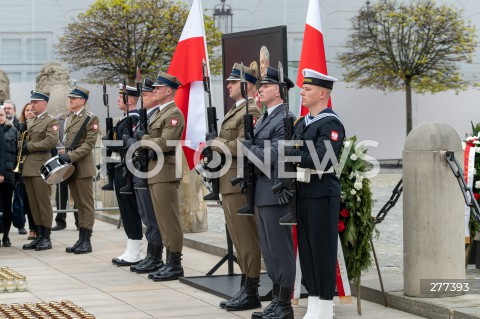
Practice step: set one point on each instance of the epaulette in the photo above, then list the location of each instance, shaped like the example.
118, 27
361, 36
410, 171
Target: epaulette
91, 114
50, 116
297, 120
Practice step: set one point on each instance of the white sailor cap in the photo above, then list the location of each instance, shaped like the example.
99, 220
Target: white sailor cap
316, 78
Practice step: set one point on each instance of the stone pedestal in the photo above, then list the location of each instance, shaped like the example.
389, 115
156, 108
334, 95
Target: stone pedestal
433, 217
193, 208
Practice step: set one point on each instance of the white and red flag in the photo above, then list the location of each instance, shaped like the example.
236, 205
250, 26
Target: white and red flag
186, 65
313, 49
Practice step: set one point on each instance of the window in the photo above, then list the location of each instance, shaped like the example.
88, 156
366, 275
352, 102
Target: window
11, 51
14, 77
36, 51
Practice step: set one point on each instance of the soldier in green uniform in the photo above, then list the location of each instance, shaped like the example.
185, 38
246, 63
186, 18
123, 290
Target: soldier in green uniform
165, 125
242, 229
79, 151
42, 133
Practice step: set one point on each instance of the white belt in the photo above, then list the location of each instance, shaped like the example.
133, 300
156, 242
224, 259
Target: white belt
116, 156
303, 174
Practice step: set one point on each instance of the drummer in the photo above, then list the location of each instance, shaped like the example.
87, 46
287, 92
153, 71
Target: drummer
42, 136
81, 132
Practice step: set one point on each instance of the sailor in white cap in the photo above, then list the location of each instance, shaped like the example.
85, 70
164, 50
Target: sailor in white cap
318, 194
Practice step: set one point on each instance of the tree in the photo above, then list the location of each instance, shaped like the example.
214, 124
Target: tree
113, 37
403, 46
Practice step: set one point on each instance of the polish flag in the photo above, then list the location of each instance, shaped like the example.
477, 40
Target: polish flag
186, 65
313, 50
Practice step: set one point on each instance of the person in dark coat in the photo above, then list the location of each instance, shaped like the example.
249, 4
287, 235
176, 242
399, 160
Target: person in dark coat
276, 241
9, 159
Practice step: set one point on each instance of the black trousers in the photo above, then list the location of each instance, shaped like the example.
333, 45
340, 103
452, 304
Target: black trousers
6, 197
127, 203
317, 233
276, 243
147, 214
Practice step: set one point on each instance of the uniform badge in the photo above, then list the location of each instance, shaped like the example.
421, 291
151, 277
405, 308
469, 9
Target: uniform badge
334, 135
54, 128
254, 121
95, 127
174, 122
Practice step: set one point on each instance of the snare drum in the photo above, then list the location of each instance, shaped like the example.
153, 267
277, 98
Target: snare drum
53, 172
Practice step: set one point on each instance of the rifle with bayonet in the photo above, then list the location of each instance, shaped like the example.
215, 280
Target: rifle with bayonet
128, 188
286, 189
141, 157
214, 183
108, 137
247, 182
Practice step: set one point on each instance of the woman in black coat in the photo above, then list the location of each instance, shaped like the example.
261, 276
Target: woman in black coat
9, 146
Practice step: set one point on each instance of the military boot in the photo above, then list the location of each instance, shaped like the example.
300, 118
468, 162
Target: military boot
283, 308
33, 244
86, 246
172, 270
153, 263
271, 306
133, 268
78, 243
238, 294
249, 299
159, 271
45, 243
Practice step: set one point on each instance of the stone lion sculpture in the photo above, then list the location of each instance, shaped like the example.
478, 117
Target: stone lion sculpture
53, 77
4, 86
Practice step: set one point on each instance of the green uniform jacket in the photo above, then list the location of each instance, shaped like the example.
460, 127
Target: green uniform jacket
42, 137
166, 124
232, 131
82, 155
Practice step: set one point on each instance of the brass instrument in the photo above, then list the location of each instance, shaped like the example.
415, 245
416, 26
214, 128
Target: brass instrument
20, 156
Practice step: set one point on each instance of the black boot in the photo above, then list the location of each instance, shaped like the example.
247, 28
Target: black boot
283, 309
45, 243
78, 243
153, 263
238, 294
249, 299
159, 271
86, 246
268, 309
172, 270
133, 268
109, 185
33, 244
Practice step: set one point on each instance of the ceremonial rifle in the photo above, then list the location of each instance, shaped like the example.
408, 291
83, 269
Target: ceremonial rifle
109, 137
248, 180
212, 128
288, 183
141, 158
128, 188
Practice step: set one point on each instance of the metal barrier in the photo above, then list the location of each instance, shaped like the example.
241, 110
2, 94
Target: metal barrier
97, 179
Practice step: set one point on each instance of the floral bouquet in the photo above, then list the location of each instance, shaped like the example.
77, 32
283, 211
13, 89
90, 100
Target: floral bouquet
474, 141
356, 224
